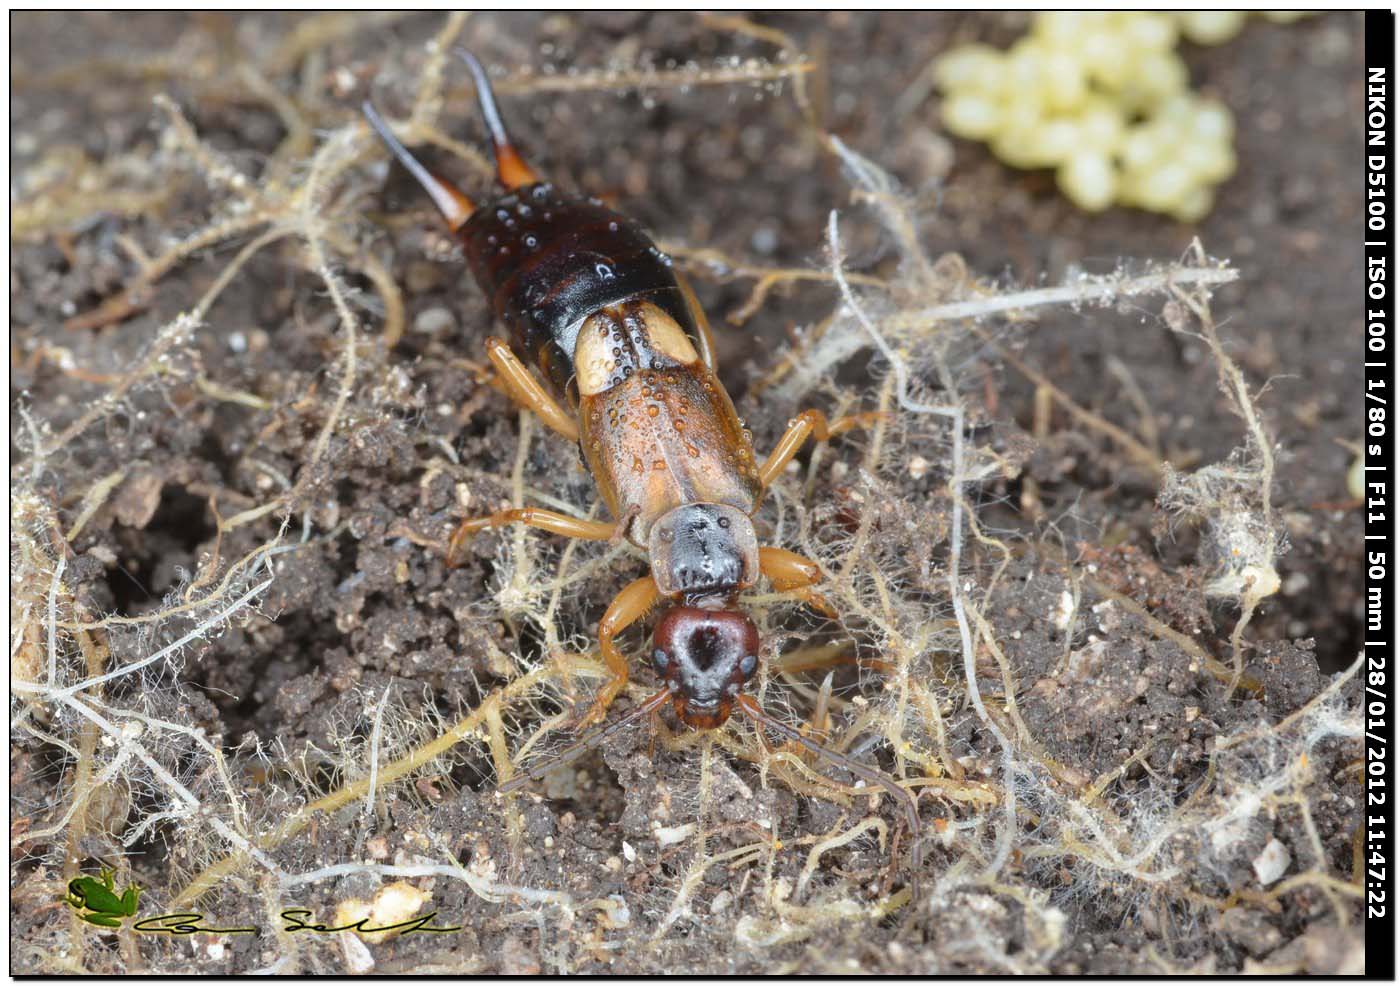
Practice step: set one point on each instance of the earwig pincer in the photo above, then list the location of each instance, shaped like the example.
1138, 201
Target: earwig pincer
626, 369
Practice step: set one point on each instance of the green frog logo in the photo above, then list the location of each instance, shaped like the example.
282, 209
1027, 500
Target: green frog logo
96, 900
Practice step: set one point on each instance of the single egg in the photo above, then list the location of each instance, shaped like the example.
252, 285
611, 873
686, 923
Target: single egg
1141, 147
1213, 121
1016, 148
1194, 205
972, 115
1211, 162
1100, 124
1015, 139
1088, 180
1054, 141
972, 66
1107, 59
1064, 28
1211, 27
1178, 110
1159, 75
1065, 83
1025, 73
1150, 32
1165, 186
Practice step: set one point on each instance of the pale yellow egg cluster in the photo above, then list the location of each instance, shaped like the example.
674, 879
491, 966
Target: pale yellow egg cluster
1103, 98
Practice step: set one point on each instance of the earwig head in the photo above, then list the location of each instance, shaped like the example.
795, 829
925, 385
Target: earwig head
703, 552
705, 657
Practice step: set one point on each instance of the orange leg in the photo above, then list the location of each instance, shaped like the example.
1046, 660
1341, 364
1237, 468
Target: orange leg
527, 391
793, 574
545, 520
630, 605
809, 424
702, 323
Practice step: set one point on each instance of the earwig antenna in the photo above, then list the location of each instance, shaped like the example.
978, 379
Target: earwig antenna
454, 205
511, 168
593, 739
911, 810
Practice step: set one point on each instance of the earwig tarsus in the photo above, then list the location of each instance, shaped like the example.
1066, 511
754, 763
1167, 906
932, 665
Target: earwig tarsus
628, 365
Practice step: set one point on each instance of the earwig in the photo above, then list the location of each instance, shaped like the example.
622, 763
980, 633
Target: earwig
626, 370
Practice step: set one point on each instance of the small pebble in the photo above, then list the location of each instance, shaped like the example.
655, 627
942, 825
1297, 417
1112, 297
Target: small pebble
432, 321
1272, 863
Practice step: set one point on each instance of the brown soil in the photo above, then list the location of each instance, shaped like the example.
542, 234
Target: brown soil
364, 647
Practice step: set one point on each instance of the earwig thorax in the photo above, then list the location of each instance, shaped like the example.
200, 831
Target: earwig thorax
703, 552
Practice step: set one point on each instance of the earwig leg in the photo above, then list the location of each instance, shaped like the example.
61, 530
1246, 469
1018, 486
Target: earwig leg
630, 605
793, 574
702, 322
511, 169
545, 520
763, 720
451, 201
809, 424
571, 753
527, 391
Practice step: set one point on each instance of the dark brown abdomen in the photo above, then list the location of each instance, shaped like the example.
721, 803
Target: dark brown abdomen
546, 262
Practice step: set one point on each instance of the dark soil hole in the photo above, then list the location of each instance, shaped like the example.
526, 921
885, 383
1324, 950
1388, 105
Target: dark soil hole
129, 592
182, 518
531, 642
1338, 645
211, 449
474, 774
1335, 654
152, 846
172, 538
